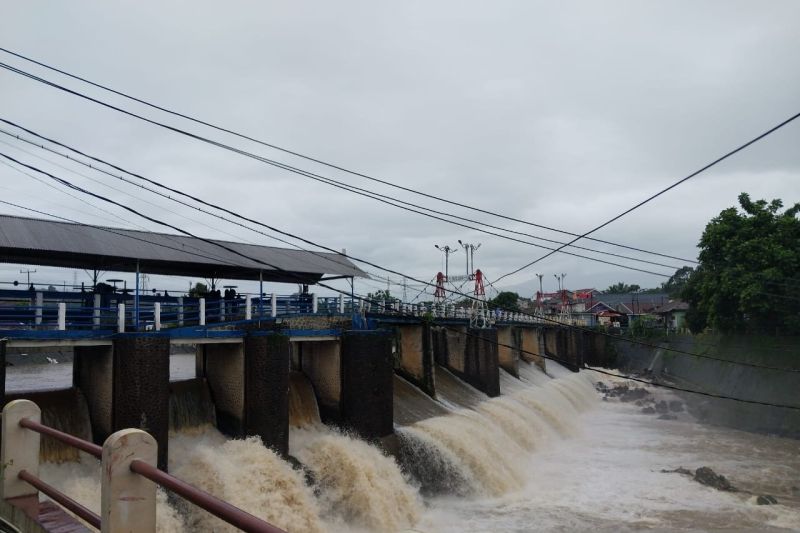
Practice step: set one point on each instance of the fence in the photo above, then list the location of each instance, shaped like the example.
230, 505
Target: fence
27, 310
118, 312
128, 476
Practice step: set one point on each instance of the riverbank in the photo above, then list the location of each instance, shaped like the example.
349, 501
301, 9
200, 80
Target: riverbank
719, 370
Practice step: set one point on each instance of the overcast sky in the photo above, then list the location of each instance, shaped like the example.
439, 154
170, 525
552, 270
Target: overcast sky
563, 114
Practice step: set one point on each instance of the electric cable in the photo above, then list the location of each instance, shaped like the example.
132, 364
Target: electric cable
214, 243
662, 191
322, 179
320, 161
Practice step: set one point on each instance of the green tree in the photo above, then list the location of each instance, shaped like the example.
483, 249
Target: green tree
199, 290
677, 282
506, 300
380, 296
749, 265
622, 288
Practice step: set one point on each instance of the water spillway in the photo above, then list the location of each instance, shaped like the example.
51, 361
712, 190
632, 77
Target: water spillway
478, 450
462, 443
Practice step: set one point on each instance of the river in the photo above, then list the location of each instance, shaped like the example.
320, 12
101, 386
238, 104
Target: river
550, 455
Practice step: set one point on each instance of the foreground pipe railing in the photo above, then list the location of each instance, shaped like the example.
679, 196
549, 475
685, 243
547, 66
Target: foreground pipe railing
60, 498
223, 510
128, 476
66, 438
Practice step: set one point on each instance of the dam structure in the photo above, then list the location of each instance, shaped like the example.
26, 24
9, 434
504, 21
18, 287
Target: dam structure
267, 367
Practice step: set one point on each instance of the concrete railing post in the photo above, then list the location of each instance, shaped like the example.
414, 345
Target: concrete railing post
96, 311
121, 318
180, 311
273, 305
62, 316
341, 304
127, 500
223, 304
19, 448
248, 308
314, 304
157, 315
201, 311
39, 303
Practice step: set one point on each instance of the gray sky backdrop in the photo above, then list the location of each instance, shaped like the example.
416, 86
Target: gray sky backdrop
560, 113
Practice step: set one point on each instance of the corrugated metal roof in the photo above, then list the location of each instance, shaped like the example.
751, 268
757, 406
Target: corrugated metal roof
53, 243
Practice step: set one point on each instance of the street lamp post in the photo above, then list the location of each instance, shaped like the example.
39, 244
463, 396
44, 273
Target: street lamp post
447, 250
469, 252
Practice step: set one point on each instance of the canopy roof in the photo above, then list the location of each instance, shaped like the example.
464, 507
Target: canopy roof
33, 241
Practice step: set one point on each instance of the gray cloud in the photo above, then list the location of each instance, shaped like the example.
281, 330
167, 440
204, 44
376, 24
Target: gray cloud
563, 115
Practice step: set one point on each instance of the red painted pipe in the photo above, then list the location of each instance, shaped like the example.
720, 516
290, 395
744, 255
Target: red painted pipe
61, 498
227, 512
66, 438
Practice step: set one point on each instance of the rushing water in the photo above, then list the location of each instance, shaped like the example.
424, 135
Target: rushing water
547, 455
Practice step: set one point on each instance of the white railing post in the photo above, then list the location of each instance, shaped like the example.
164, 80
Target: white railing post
223, 304
248, 308
127, 500
314, 304
38, 311
20, 448
96, 311
62, 316
341, 304
273, 305
121, 318
201, 311
180, 311
157, 315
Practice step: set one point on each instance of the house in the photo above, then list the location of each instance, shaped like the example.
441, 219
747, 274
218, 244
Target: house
673, 314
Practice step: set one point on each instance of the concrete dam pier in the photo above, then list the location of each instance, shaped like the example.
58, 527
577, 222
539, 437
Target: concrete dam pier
333, 389
125, 380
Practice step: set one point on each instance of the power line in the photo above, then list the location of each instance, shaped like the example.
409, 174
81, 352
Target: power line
605, 372
309, 158
659, 193
104, 184
96, 207
467, 333
336, 290
324, 247
214, 243
198, 200
339, 185
111, 230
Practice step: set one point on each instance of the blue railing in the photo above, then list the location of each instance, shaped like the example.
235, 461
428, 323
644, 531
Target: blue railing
26, 310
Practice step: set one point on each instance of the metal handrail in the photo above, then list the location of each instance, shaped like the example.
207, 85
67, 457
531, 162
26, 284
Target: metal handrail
61, 498
222, 509
219, 508
66, 438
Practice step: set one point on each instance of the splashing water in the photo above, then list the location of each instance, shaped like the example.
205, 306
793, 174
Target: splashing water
80, 480
481, 449
356, 483
249, 476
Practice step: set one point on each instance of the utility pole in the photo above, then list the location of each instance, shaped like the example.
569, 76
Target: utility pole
28, 272
447, 250
469, 252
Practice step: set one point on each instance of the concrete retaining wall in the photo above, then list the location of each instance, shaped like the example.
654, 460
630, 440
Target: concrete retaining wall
729, 379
